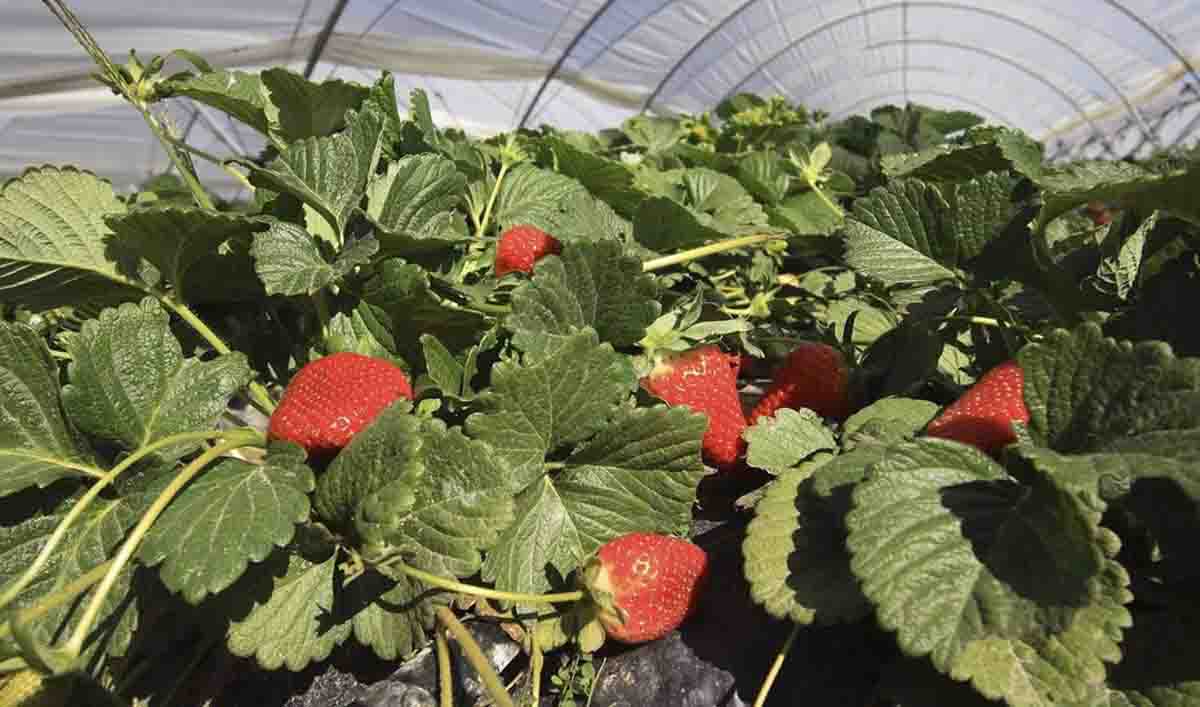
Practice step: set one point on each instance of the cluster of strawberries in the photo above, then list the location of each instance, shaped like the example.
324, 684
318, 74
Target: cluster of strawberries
649, 583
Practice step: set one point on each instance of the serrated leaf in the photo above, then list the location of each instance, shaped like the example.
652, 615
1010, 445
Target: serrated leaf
545, 402
299, 108
782, 441
296, 624
796, 560
395, 613
724, 203
55, 248
1003, 584
444, 370
357, 254
387, 450
608, 180
901, 416
985, 150
763, 174
531, 196
403, 293
640, 473
178, 239
654, 133
362, 331
236, 93
445, 517
130, 384
1083, 389
804, 214
414, 203
1121, 256
582, 218
91, 540
235, 514
662, 224
37, 446
1121, 183
895, 234
289, 262
589, 285
328, 174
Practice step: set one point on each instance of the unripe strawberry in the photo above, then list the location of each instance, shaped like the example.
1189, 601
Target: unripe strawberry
331, 399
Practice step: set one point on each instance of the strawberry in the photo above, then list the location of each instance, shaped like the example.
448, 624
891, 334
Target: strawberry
984, 414
704, 379
813, 376
645, 584
522, 246
331, 399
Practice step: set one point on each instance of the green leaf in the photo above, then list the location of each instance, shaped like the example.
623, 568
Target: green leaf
1121, 256
551, 400
782, 441
37, 446
328, 174
1158, 669
180, 241
1083, 389
531, 196
763, 174
362, 331
640, 473
391, 614
414, 203
442, 520
387, 450
296, 623
130, 384
300, 108
1121, 183
235, 93
709, 206
795, 548
55, 248
92, 540
1003, 584
589, 285
805, 214
900, 416
360, 253
606, 179
289, 262
404, 294
726, 203
662, 224
985, 150
234, 514
653, 133
582, 218
450, 376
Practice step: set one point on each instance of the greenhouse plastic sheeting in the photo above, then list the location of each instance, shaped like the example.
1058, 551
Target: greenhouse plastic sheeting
1089, 77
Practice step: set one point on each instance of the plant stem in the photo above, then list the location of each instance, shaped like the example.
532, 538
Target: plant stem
445, 679
60, 532
92, 613
536, 661
706, 250
258, 394
57, 598
475, 656
827, 201
776, 666
472, 590
487, 211
64, 15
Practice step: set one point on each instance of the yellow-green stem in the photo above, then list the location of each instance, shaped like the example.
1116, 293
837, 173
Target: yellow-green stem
258, 394
536, 660
125, 554
827, 201
776, 666
472, 590
487, 211
445, 679
474, 655
57, 598
706, 250
60, 532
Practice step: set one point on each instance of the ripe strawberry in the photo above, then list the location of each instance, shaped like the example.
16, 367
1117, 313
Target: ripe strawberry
652, 583
705, 379
331, 399
984, 414
522, 246
813, 376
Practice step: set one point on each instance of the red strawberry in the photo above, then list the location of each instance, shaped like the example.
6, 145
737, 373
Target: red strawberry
653, 582
522, 246
331, 399
813, 376
984, 414
705, 379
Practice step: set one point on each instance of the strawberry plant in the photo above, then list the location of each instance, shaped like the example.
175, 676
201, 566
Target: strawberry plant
418, 377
